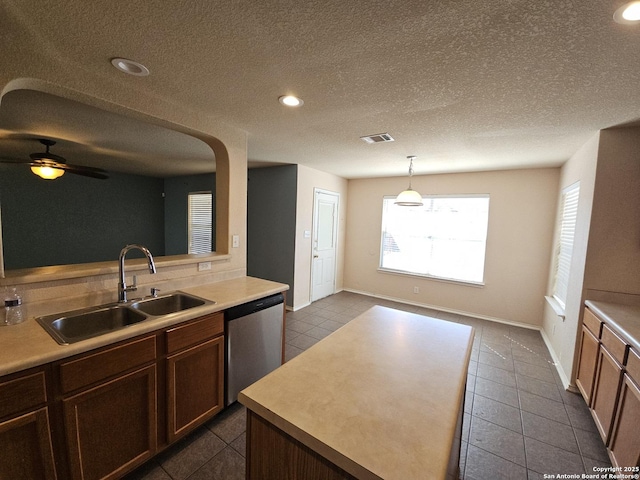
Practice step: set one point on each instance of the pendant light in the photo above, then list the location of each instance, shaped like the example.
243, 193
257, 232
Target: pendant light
409, 198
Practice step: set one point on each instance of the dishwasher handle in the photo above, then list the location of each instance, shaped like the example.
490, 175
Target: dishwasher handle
253, 307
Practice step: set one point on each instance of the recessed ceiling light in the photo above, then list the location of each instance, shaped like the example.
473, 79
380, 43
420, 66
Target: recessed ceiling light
130, 67
290, 101
629, 13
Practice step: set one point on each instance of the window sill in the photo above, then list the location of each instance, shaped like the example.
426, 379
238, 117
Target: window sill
555, 305
465, 283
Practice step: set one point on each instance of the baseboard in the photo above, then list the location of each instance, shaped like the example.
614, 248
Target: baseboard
300, 307
448, 310
566, 382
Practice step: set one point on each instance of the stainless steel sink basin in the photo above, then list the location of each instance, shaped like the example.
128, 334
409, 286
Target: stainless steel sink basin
71, 327
170, 303
82, 324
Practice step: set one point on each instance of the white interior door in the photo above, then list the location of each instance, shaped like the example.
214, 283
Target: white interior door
325, 234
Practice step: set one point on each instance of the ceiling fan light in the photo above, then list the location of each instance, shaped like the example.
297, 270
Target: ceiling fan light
46, 172
409, 198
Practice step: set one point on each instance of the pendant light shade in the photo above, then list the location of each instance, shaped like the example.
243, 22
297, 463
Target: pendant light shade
409, 198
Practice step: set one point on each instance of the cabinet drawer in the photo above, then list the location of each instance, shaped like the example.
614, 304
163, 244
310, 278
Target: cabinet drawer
592, 322
107, 363
202, 329
633, 365
614, 344
22, 393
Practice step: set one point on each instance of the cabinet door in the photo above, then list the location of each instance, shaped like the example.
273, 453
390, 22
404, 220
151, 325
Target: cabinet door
112, 428
195, 386
587, 363
625, 438
25, 447
605, 392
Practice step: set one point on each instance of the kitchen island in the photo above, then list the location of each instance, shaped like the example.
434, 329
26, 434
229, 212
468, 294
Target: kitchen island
381, 398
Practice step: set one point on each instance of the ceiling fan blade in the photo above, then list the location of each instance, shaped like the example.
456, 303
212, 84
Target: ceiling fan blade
14, 160
85, 171
99, 176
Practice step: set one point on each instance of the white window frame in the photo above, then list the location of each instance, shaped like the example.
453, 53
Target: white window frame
564, 243
199, 222
416, 216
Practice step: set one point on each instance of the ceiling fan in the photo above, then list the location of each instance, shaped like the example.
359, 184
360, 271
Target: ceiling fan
49, 166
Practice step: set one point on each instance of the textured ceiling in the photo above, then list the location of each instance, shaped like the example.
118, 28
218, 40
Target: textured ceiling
464, 85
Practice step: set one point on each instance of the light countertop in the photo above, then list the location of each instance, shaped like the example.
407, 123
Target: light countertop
380, 397
624, 318
28, 345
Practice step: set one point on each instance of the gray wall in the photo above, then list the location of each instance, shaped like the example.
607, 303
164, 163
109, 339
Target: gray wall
271, 224
76, 219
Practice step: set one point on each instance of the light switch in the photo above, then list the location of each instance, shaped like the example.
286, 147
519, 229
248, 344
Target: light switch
235, 242
307, 234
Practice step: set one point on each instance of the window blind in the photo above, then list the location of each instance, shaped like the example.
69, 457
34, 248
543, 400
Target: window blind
200, 224
564, 244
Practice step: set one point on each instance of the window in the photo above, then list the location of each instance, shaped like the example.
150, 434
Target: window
564, 243
200, 224
445, 238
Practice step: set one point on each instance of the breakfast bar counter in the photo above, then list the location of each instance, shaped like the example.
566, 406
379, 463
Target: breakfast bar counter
380, 398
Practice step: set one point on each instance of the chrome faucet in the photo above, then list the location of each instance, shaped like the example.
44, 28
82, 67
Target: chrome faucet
122, 286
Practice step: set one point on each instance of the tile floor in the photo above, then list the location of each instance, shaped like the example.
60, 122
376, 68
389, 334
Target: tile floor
519, 423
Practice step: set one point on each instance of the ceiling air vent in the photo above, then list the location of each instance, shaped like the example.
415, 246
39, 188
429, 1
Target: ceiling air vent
377, 138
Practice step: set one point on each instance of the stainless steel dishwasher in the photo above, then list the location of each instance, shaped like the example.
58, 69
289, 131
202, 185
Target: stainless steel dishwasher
254, 342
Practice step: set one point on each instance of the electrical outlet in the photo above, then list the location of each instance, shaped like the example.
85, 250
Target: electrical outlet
416, 289
202, 266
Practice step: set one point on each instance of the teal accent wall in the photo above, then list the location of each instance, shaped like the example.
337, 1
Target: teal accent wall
76, 219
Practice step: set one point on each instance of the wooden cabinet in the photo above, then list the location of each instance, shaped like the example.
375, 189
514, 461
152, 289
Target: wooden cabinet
195, 374
111, 409
614, 400
605, 394
25, 440
587, 363
611, 357
625, 440
273, 454
624, 446
110, 419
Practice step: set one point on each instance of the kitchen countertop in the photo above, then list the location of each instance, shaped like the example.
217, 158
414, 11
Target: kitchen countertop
28, 345
380, 397
624, 318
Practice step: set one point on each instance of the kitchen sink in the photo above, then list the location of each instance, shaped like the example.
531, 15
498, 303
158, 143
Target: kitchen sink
82, 324
170, 303
77, 325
